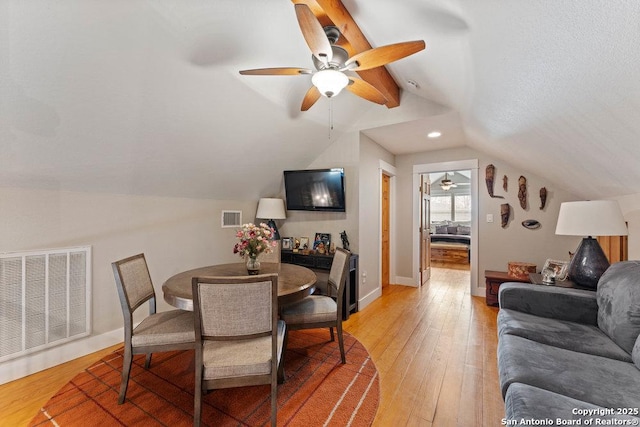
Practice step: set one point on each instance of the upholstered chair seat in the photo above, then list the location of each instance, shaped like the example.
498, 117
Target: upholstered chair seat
168, 327
313, 309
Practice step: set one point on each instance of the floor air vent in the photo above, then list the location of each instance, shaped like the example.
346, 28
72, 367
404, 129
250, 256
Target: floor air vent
45, 299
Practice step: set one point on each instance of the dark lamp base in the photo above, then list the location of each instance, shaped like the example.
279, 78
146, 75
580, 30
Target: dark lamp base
276, 235
588, 264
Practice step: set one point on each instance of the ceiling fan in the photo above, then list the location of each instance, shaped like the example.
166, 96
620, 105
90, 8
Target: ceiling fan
331, 61
446, 183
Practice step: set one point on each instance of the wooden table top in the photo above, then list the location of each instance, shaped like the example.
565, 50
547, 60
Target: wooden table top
294, 281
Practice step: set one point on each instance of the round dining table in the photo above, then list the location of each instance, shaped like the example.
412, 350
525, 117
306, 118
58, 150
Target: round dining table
294, 281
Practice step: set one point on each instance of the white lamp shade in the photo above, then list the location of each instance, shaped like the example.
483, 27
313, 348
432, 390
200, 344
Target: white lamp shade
271, 209
330, 82
591, 218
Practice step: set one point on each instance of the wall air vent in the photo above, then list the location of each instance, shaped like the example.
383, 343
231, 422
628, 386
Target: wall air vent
231, 219
45, 299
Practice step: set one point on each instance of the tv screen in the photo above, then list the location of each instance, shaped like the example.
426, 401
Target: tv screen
315, 190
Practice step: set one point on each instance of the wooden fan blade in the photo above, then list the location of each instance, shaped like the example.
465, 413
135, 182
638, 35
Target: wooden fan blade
383, 55
313, 33
310, 98
281, 71
365, 90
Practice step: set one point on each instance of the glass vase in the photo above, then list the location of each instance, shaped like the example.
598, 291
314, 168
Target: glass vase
253, 265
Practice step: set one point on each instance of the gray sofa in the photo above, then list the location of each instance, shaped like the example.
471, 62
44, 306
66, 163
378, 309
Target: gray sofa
569, 356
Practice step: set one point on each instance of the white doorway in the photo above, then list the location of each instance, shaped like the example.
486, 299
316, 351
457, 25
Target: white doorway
418, 172
450, 219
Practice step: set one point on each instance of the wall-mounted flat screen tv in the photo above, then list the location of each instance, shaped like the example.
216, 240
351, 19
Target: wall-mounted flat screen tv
315, 190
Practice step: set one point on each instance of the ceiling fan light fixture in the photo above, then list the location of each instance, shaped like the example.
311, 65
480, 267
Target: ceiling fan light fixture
330, 82
446, 187
446, 183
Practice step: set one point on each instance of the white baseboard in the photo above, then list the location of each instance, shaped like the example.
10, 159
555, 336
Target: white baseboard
369, 298
407, 281
30, 364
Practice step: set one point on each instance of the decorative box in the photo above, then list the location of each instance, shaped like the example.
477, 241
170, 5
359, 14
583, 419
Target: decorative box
520, 270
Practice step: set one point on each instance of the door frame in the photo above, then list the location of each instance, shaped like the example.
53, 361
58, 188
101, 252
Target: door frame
388, 169
472, 165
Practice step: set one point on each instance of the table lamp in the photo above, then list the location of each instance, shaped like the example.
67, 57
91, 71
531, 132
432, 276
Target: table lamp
590, 218
271, 209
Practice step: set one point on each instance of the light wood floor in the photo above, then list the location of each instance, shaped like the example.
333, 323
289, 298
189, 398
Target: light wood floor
435, 350
434, 347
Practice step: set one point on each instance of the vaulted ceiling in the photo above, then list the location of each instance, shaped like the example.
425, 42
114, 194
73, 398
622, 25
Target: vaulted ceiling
144, 96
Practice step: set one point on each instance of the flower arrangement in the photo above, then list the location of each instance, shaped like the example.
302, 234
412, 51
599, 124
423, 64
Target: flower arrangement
254, 240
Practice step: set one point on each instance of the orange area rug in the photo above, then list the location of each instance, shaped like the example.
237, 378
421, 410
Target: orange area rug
318, 391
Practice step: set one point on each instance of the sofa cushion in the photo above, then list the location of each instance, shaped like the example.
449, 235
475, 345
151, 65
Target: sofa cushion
452, 229
441, 229
532, 403
573, 305
464, 230
560, 333
597, 380
635, 354
618, 297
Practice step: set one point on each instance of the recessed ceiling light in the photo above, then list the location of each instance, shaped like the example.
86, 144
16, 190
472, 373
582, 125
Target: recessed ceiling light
434, 134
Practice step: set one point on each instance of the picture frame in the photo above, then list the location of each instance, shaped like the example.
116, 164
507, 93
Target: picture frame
287, 243
321, 243
304, 243
556, 268
324, 238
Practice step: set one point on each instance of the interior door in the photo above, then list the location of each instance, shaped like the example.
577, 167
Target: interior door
425, 231
385, 252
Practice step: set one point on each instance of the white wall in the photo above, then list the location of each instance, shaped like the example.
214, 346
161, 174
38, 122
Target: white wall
370, 202
497, 246
630, 206
175, 234
342, 153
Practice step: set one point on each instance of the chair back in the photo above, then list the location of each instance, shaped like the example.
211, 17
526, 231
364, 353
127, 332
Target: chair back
134, 283
235, 307
338, 274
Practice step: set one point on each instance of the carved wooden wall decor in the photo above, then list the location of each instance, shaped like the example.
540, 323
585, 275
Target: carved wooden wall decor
489, 177
505, 213
543, 197
522, 191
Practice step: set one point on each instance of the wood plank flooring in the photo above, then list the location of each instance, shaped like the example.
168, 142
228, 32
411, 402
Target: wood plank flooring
435, 350
434, 347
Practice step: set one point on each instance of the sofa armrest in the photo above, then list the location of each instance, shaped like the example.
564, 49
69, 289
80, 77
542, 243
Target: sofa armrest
574, 305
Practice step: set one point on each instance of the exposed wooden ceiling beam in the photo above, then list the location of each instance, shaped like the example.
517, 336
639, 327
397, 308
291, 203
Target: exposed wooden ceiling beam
333, 12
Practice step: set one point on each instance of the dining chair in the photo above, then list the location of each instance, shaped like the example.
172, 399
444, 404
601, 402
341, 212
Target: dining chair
239, 339
321, 311
164, 331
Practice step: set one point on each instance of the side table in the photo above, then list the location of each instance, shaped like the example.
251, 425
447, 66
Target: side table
536, 279
493, 281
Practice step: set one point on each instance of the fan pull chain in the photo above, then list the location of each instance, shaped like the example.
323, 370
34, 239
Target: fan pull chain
330, 116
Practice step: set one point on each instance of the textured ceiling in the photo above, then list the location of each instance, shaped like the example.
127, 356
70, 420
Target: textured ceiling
144, 96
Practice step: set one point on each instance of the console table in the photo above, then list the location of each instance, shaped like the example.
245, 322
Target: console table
536, 279
322, 263
493, 281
